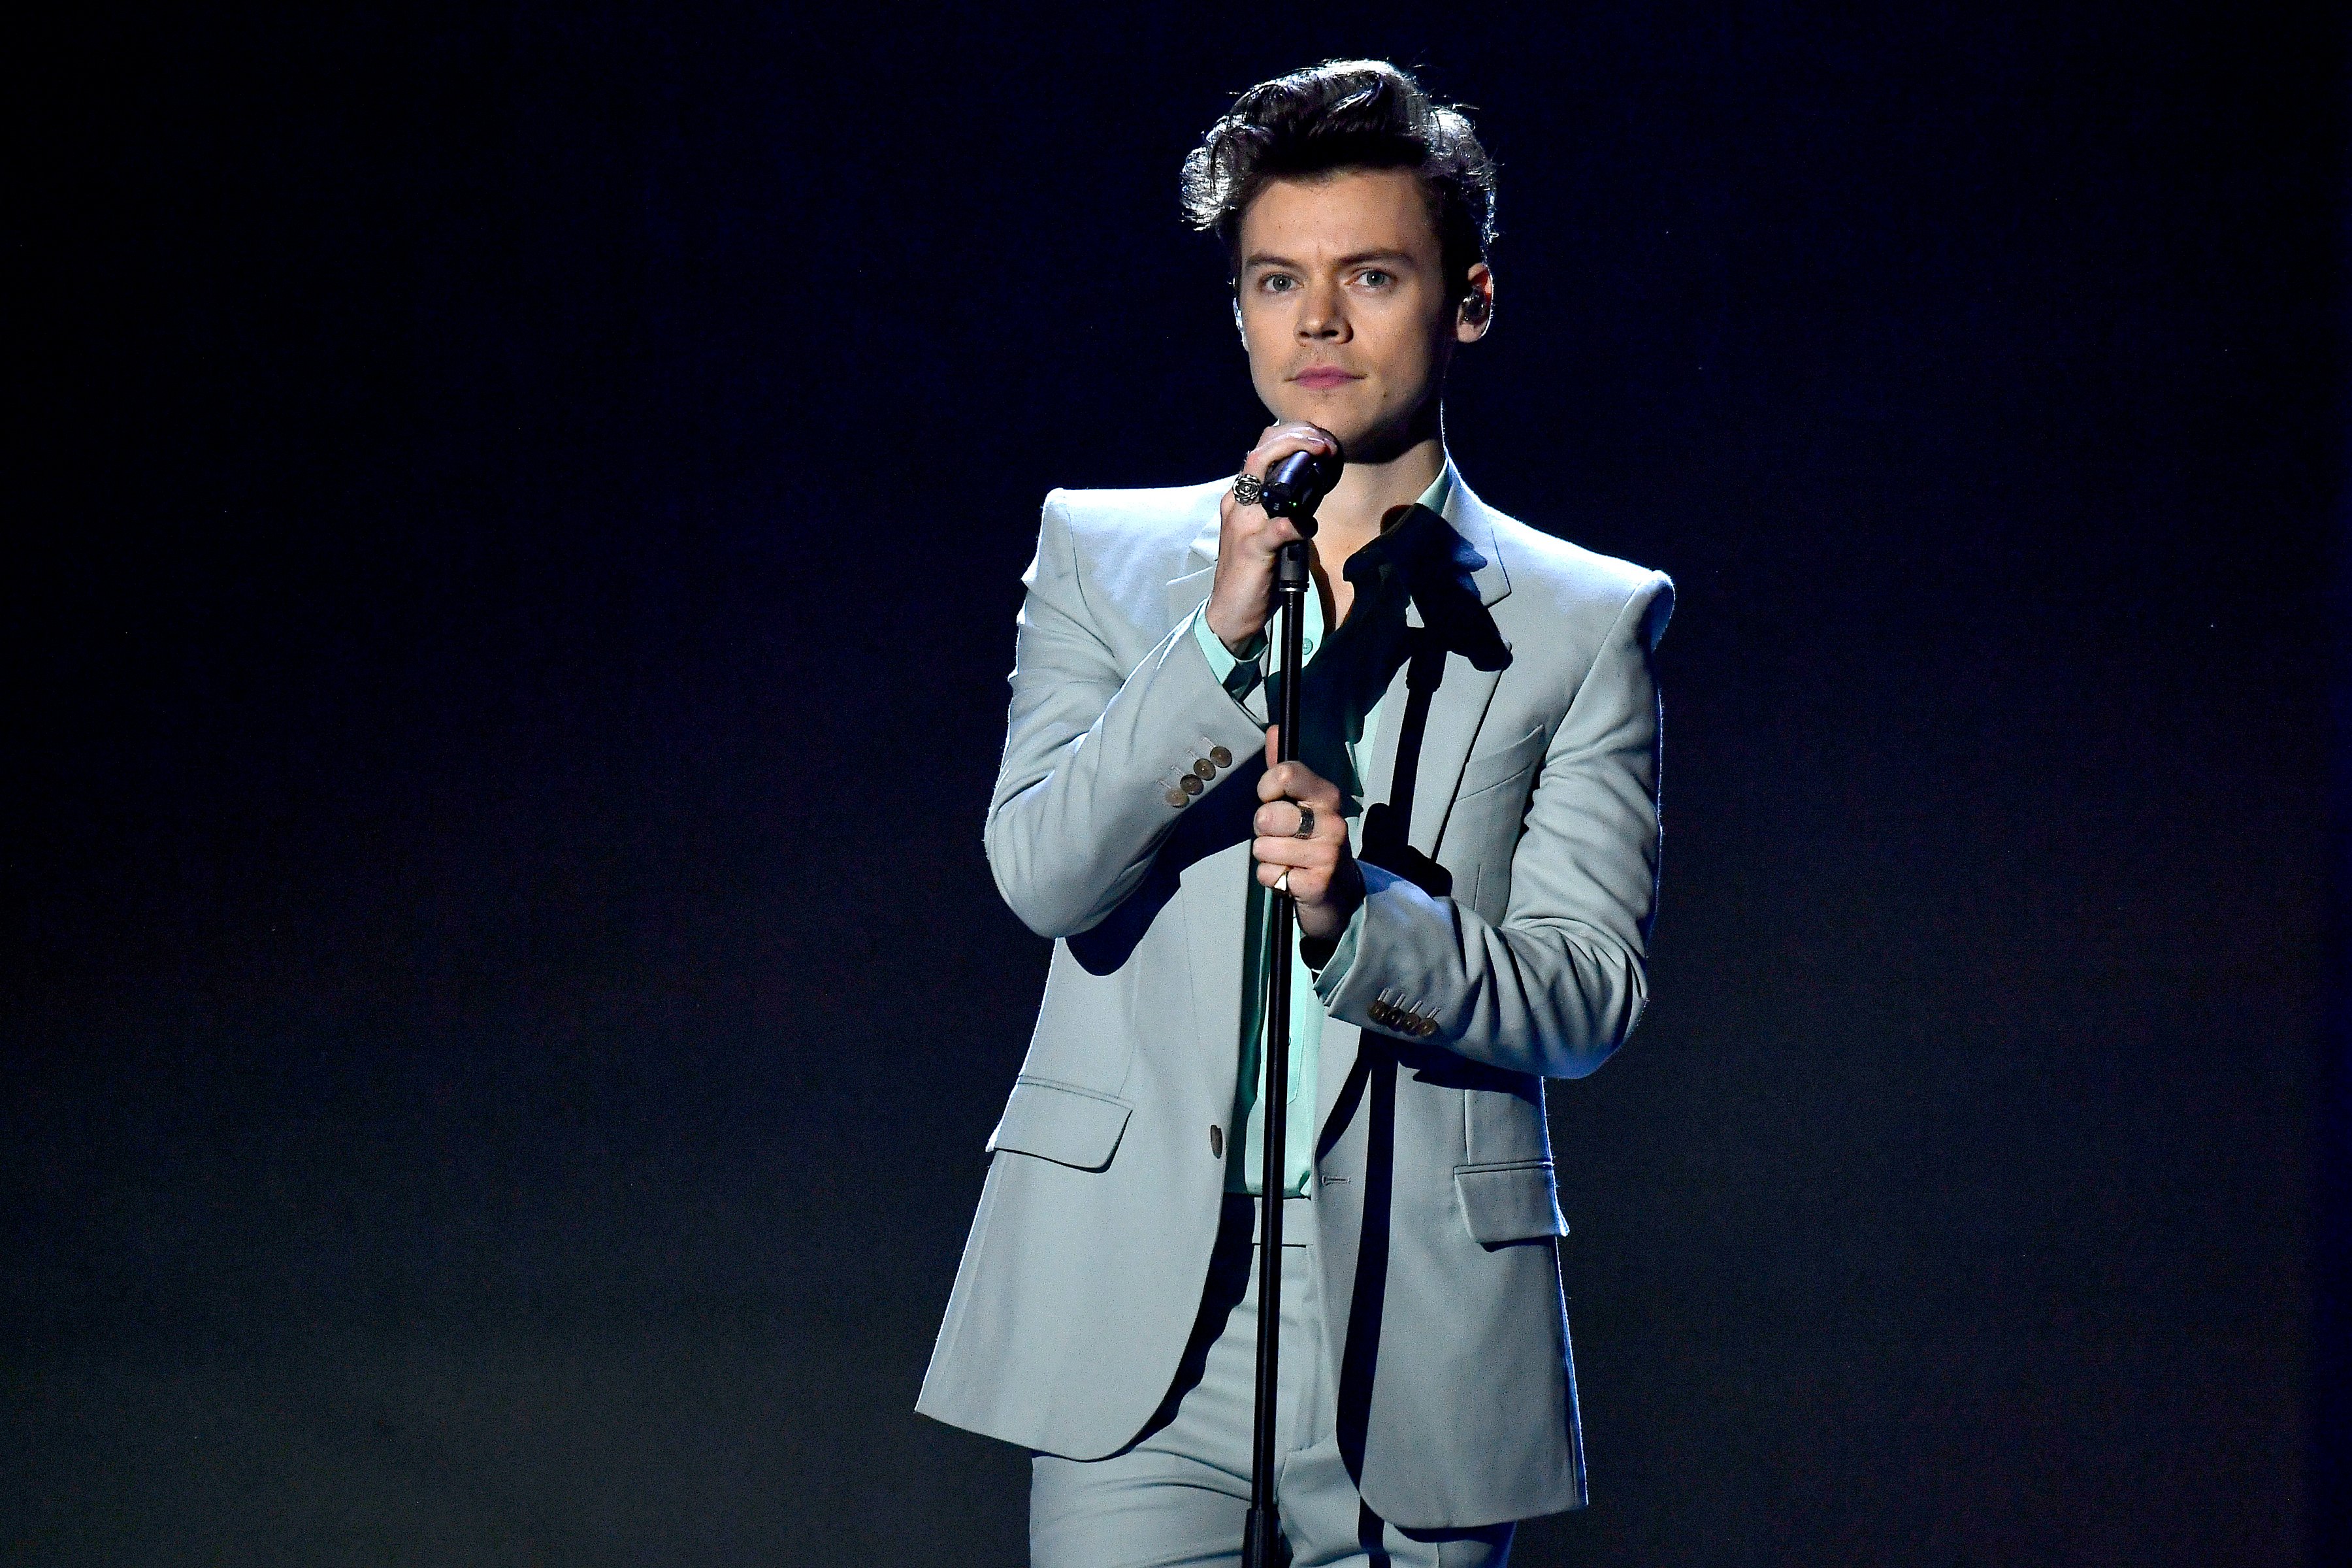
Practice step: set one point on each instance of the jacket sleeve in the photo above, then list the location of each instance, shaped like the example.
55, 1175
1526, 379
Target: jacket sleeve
1092, 751
1561, 982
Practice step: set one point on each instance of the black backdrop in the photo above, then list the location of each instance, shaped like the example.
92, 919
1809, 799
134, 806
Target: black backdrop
515, 524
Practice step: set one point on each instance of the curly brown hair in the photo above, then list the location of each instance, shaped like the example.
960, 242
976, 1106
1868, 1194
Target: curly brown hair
1345, 114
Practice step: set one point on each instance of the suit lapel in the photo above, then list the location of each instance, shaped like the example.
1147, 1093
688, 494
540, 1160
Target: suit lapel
1458, 705
1474, 520
1382, 766
1456, 713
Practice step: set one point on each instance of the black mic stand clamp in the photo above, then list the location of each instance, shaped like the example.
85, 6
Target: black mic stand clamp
1292, 491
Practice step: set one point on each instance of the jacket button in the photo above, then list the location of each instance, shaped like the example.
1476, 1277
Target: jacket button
1204, 770
1217, 1143
1222, 757
1190, 785
1424, 1026
1176, 797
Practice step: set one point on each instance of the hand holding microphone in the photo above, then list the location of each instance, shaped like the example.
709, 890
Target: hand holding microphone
1292, 466
1294, 486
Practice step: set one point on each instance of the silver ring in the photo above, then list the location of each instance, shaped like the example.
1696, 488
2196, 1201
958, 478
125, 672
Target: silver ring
1305, 828
1282, 883
1248, 489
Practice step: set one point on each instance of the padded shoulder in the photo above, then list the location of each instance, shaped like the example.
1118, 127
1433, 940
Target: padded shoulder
1170, 509
1567, 583
1128, 545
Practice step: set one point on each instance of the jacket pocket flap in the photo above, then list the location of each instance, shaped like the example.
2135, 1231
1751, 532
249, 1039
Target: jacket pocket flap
1514, 1202
1502, 764
1056, 1121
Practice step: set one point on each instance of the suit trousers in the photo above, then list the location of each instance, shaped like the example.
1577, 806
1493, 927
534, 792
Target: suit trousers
1178, 1495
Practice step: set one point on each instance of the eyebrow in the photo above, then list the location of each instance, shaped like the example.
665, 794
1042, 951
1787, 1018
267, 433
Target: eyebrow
1358, 260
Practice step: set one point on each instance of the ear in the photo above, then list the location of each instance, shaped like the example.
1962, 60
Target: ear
1476, 312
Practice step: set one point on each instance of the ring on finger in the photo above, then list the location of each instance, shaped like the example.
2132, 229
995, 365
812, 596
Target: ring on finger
1248, 489
1305, 828
1282, 883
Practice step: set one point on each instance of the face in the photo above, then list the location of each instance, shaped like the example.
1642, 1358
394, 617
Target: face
1344, 307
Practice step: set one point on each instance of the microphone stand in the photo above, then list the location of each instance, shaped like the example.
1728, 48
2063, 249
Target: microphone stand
1263, 1535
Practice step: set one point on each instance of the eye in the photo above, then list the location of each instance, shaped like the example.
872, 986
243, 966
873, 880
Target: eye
1375, 278
1277, 283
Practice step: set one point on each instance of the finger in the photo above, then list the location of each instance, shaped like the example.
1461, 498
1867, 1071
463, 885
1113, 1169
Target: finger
1296, 781
1253, 530
1282, 849
1298, 429
1283, 818
1249, 530
1310, 788
1305, 884
1279, 819
1281, 440
1266, 788
1254, 526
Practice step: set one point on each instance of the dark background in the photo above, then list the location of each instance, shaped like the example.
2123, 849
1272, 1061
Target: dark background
515, 521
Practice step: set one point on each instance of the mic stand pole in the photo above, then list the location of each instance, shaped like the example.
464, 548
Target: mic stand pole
1263, 1540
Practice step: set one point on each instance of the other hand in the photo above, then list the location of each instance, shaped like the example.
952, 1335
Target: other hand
1321, 870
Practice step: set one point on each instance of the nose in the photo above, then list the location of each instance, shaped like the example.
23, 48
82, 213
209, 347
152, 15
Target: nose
1324, 316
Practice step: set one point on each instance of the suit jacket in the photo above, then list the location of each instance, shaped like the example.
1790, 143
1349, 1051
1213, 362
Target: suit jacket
1510, 859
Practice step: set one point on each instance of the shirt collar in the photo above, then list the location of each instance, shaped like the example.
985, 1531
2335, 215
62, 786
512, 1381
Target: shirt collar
1441, 489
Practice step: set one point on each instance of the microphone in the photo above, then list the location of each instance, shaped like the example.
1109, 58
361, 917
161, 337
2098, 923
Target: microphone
1296, 484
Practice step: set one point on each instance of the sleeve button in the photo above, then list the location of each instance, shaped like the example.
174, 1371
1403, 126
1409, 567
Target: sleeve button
1204, 769
1190, 785
1176, 797
1222, 757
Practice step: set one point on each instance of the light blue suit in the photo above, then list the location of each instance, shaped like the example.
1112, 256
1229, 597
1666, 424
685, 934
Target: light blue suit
1510, 890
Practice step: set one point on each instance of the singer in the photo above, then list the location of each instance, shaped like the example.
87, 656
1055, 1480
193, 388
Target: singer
1471, 837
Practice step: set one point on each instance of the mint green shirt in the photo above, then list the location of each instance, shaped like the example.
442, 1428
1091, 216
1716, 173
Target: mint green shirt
1245, 1156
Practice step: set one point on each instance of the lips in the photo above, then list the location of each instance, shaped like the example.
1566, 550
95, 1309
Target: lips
1323, 377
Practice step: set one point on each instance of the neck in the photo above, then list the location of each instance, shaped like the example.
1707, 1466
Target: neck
1350, 517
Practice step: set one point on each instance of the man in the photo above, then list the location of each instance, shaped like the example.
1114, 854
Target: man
1471, 835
